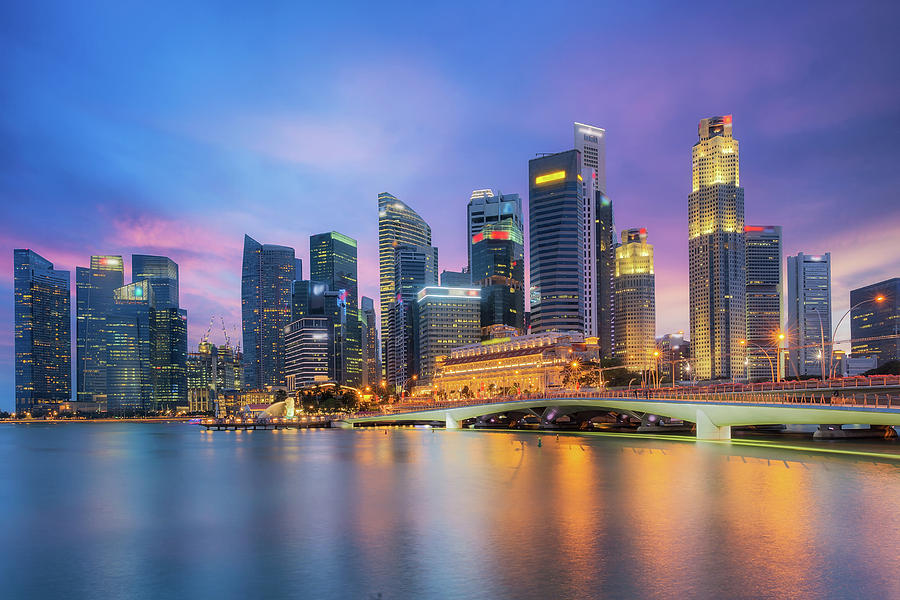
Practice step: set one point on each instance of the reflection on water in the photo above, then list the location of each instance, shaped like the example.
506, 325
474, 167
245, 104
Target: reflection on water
169, 511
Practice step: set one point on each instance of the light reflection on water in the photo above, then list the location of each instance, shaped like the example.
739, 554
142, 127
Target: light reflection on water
169, 511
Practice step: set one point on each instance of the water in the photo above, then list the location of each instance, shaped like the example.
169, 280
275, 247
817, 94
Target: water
170, 511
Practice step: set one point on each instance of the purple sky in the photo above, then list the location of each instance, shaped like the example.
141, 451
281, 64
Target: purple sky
175, 130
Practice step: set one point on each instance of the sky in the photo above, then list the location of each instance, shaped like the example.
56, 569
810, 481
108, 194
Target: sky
175, 128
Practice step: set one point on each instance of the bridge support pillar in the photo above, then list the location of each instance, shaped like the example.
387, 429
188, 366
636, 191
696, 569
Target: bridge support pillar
451, 423
707, 430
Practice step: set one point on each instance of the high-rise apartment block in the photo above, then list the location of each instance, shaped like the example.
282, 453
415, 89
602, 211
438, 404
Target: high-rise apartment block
43, 338
809, 313
765, 282
718, 314
635, 301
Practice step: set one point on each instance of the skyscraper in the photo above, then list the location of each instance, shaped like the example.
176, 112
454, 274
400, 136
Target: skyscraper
94, 300
448, 318
371, 359
498, 267
308, 352
456, 278
415, 268
635, 301
876, 314
809, 312
599, 237
129, 334
487, 207
266, 277
332, 259
43, 338
764, 284
716, 253
397, 224
556, 242
162, 273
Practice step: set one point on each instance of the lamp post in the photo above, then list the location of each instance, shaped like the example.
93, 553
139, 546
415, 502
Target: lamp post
656, 368
575, 369
769, 358
877, 300
403, 389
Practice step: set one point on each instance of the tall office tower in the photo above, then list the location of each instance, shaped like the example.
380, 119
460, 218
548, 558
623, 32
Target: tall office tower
371, 360
307, 298
809, 312
308, 351
332, 258
128, 334
448, 318
599, 237
169, 345
635, 294
556, 242
875, 313
716, 253
764, 284
43, 338
397, 224
488, 207
346, 353
94, 299
162, 273
415, 268
456, 278
266, 277
498, 267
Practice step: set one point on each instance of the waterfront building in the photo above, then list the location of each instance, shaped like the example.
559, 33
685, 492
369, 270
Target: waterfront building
718, 314
635, 301
488, 207
415, 268
128, 334
211, 371
398, 224
43, 338
371, 358
765, 282
94, 300
529, 364
448, 317
599, 235
874, 324
809, 312
498, 267
674, 352
267, 274
308, 352
456, 278
556, 242
162, 273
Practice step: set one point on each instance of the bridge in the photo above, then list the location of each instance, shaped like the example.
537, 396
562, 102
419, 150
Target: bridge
714, 410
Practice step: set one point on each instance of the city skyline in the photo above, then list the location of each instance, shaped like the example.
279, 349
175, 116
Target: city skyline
198, 218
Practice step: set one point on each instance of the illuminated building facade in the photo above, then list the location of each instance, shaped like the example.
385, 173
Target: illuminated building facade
43, 337
599, 237
129, 334
531, 364
267, 274
456, 278
809, 312
873, 319
674, 352
765, 282
498, 267
162, 273
716, 257
371, 359
398, 225
415, 268
212, 371
309, 352
94, 300
556, 242
488, 207
635, 301
447, 317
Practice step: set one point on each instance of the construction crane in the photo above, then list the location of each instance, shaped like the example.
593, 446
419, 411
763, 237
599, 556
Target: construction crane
205, 338
224, 331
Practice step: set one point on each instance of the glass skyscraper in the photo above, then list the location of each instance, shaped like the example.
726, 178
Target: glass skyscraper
556, 242
765, 282
129, 334
397, 224
43, 339
162, 273
876, 319
415, 268
267, 274
498, 267
447, 318
717, 269
332, 258
488, 207
95, 288
371, 358
809, 312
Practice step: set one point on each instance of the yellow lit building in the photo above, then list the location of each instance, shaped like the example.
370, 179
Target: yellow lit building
635, 301
522, 364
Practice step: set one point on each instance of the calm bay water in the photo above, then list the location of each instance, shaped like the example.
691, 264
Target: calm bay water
170, 511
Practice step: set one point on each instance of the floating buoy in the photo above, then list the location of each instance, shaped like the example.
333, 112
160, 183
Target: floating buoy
539, 442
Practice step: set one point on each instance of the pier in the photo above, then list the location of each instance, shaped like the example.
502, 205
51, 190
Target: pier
266, 424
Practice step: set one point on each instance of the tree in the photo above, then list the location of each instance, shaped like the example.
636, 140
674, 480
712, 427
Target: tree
891, 367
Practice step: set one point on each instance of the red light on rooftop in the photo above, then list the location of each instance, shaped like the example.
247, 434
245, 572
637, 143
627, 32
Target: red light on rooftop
727, 118
643, 231
499, 235
477, 238
754, 228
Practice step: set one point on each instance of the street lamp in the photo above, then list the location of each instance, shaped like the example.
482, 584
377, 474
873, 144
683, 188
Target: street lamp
575, 368
771, 366
656, 367
877, 300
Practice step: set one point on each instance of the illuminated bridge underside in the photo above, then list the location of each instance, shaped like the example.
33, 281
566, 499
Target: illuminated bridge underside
714, 419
